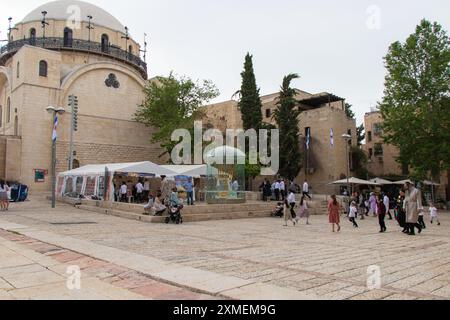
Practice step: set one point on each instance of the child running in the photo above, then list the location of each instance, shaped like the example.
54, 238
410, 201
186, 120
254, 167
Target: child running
352, 214
434, 214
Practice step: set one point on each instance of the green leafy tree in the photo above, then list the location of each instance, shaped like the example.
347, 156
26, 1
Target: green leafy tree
250, 101
349, 112
287, 117
360, 134
359, 159
173, 103
416, 101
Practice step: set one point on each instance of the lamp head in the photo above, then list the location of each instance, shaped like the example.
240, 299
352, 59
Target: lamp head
50, 109
346, 136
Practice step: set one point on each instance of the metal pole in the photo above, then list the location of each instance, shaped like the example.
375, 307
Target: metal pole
348, 167
53, 169
71, 136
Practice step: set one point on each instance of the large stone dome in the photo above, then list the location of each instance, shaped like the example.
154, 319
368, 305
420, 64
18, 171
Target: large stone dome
60, 10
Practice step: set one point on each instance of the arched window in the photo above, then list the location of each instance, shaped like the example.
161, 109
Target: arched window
43, 68
33, 36
68, 37
18, 70
8, 110
1, 116
105, 43
130, 49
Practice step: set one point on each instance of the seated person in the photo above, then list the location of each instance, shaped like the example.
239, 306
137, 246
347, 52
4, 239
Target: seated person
173, 200
158, 207
149, 206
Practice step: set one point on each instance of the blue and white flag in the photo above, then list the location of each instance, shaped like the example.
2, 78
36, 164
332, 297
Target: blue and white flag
55, 126
331, 138
308, 138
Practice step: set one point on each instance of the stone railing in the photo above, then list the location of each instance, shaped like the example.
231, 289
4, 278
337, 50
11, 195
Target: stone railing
76, 45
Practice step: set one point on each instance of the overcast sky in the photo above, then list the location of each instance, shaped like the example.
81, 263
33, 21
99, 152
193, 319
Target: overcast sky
336, 46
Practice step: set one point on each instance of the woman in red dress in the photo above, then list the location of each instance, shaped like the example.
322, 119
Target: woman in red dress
333, 213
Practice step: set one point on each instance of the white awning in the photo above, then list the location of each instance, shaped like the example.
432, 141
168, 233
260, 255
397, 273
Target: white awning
143, 168
354, 181
381, 181
194, 171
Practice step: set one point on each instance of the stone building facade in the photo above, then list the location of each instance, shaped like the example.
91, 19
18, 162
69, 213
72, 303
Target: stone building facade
101, 66
382, 157
323, 163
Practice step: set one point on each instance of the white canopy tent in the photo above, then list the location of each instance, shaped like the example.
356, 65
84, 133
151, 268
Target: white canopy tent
145, 167
194, 171
380, 181
402, 182
354, 181
92, 180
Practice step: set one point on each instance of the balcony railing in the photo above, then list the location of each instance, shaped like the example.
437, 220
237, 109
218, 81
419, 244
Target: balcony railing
76, 45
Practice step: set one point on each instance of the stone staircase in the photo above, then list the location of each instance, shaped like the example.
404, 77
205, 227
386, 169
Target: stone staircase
199, 212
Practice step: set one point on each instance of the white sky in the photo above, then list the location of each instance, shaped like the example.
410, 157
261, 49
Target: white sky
327, 42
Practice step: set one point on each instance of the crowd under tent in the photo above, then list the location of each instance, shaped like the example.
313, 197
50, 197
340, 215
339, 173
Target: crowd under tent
96, 181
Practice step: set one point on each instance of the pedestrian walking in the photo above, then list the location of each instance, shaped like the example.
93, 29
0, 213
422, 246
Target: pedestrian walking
434, 214
400, 212
123, 192
373, 204
412, 206
283, 190
288, 214
386, 202
333, 213
381, 212
353, 214
303, 211
306, 190
189, 187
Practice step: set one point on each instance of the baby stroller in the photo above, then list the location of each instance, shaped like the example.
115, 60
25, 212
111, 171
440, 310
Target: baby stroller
279, 211
175, 215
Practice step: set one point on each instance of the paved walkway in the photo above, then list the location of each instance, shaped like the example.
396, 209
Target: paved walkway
242, 259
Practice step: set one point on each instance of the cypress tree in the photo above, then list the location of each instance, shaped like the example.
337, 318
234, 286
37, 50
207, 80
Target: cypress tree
250, 102
287, 117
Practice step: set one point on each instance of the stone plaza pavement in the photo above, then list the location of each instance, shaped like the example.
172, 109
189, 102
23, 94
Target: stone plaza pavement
232, 259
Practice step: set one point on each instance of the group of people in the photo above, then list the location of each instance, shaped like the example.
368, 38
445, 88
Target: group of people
168, 196
279, 190
287, 208
409, 211
4, 198
141, 192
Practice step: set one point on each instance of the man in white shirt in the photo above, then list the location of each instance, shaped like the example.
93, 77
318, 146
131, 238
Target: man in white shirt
139, 191
277, 190
306, 190
123, 192
146, 189
283, 190
386, 202
292, 202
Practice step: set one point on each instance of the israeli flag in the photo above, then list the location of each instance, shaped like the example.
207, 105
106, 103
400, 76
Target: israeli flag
331, 138
55, 126
308, 139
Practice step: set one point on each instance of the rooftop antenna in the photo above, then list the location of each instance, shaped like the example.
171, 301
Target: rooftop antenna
44, 24
10, 29
145, 48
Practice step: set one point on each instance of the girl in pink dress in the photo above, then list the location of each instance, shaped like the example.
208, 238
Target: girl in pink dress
333, 213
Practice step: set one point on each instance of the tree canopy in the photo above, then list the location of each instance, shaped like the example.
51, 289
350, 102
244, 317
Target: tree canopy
250, 101
416, 101
173, 103
287, 117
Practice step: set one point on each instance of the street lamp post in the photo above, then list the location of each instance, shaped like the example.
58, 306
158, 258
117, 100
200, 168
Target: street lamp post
54, 112
347, 138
